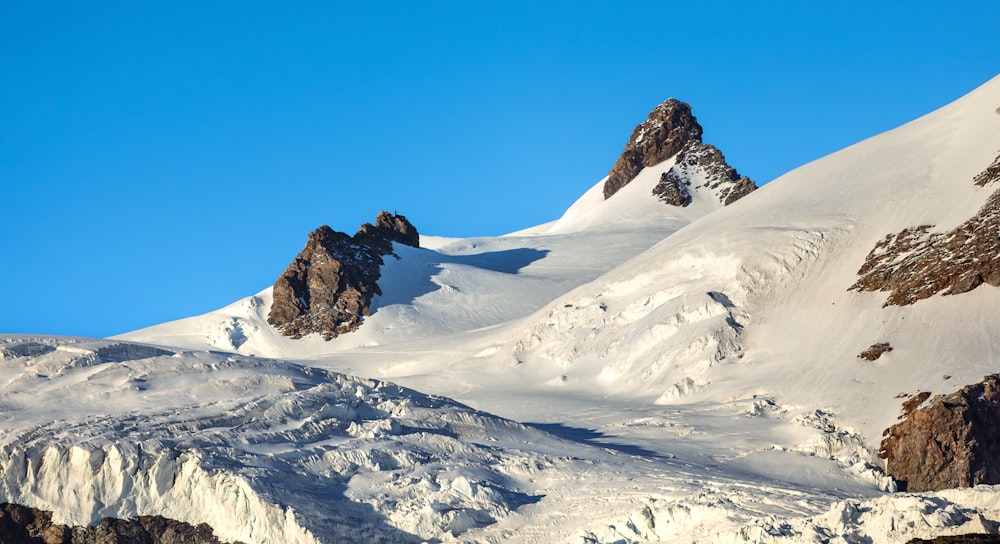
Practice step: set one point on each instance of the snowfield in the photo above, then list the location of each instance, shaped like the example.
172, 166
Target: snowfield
631, 372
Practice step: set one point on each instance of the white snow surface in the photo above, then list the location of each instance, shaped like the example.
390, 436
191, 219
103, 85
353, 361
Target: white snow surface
658, 374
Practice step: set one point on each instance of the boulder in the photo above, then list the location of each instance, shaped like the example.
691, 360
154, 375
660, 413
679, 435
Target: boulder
875, 351
952, 441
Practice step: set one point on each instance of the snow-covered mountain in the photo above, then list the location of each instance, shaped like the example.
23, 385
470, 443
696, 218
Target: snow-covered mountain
674, 373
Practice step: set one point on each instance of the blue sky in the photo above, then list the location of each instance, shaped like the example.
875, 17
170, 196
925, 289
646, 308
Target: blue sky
160, 160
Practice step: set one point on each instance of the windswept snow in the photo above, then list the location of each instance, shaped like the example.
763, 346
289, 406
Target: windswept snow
666, 374
464, 284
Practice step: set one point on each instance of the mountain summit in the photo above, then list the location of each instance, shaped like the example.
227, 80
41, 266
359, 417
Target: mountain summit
671, 130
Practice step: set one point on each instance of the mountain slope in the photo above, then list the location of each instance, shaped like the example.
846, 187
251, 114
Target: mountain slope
744, 294
694, 369
749, 311
459, 285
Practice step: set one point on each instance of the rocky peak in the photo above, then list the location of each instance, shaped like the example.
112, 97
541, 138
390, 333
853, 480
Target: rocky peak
672, 130
952, 441
328, 287
389, 227
662, 135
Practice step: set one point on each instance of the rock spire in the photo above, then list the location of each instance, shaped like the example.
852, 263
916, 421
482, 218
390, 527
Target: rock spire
671, 130
328, 287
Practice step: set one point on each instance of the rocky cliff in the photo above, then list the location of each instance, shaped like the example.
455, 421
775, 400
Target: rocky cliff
22, 525
672, 130
952, 441
328, 287
917, 262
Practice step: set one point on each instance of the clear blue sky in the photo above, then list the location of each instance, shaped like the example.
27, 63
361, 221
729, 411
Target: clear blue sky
160, 160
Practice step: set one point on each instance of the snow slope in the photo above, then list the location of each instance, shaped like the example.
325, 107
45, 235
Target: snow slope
465, 284
680, 375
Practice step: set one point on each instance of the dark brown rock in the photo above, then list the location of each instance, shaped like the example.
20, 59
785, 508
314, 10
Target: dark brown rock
672, 189
954, 441
981, 538
328, 287
990, 175
388, 228
738, 190
912, 403
700, 165
875, 351
917, 263
20, 524
662, 135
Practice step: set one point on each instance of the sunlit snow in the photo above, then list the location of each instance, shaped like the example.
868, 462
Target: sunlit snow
630, 372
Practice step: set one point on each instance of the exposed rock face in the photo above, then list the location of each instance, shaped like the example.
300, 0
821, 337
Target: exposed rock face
702, 165
952, 442
662, 135
328, 287
990, 175
917, 263
740, 189
672, 130
388, 228
20, 524
672, 189
875, 351
983, 538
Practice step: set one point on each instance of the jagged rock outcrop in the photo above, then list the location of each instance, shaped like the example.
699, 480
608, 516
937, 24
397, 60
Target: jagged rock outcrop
669, 127
672, 189
388, 228
875, 351
916, 263
702, 165
22, 525
953, 441
671, 130
328, 287
990, 175
982, 538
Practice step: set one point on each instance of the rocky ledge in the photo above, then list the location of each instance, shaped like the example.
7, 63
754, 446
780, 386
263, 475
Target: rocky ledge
20, 524
328, 287
672, 130
952, 441
917, 263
